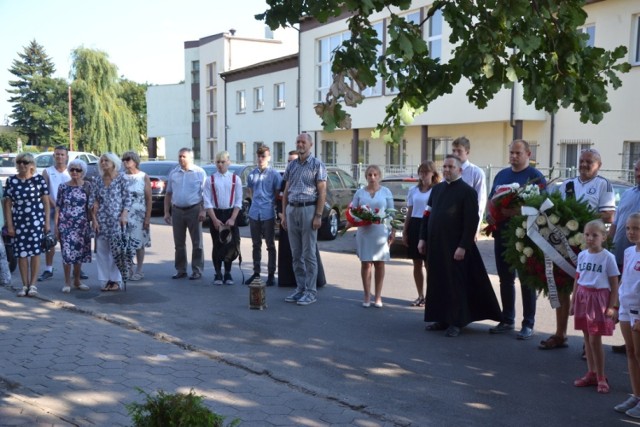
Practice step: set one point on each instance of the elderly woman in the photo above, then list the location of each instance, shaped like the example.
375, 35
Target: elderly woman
110, 215
140, 213
26, 205
73, 203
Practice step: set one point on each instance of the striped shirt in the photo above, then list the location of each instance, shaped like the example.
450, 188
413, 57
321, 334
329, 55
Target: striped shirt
303, 178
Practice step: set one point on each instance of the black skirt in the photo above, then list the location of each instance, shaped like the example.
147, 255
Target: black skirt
414, 238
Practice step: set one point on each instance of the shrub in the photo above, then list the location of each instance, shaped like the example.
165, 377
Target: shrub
174, 410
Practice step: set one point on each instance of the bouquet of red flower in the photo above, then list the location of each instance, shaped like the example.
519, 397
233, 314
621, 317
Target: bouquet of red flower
507, 197
363, 215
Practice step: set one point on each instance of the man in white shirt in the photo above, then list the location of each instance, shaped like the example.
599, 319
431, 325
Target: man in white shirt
471, 174
597, 191
184, 210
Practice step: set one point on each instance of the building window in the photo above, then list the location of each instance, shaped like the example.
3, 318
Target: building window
241, 152
241, 102
396, 157
195, 116
377, 89
211, 74
630, 155
326, 47
363, 151
329, 152
635, 41
258, 98
211, 101
195, 72
278, 155
256, 145
196, 148
435, 35
590, 30
278, 95
212, 126
570, 154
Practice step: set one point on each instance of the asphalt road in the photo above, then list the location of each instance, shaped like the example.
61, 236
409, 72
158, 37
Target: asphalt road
379, 362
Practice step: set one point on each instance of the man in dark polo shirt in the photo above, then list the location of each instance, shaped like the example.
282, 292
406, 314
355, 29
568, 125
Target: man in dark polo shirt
303, 202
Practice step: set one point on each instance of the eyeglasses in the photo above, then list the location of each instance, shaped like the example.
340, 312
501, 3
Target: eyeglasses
23, 162
75, 170
126, 159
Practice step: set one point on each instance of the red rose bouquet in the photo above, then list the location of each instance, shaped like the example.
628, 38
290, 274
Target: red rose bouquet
507, 197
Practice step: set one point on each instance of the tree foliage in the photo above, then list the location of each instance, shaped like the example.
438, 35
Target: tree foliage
40, 109
104, 121
496, 44
135, 95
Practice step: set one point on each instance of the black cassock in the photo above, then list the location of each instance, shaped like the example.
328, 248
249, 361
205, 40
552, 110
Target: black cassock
458, 292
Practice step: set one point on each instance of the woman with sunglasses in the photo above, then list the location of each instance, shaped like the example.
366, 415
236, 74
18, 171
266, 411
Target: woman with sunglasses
73, 203
110, 216
26, 205
140, 213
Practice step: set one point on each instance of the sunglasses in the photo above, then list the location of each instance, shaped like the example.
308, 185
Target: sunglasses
23, 162
126, 159
75, 170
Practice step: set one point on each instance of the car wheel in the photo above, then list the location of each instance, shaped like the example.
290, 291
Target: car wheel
243, 215
329, 228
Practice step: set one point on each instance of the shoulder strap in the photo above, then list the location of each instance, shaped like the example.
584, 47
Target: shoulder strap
233, 187
569, 190
213, 191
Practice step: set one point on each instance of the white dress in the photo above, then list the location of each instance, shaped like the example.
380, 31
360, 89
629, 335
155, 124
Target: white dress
140, 238
372, 240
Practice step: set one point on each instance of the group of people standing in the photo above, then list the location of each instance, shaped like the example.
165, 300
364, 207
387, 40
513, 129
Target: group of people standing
113, 207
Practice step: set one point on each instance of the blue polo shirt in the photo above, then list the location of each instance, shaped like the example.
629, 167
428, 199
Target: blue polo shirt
265, 186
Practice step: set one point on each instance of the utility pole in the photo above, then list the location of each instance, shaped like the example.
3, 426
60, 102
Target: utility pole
70, 121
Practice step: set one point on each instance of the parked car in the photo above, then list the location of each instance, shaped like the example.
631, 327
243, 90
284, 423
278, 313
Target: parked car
158, 172
7, 166
399, 186
340, 190
44, 160
243, 172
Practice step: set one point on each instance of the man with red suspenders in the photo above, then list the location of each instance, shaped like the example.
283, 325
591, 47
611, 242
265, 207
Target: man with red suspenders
222, 201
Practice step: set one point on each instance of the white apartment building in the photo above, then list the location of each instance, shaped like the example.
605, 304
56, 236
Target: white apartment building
194, 113
240, 93
555, 142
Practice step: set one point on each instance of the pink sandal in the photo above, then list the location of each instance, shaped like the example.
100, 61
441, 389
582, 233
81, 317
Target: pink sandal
603, 385
589, 379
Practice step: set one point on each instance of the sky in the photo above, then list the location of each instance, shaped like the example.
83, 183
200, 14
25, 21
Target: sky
143, 38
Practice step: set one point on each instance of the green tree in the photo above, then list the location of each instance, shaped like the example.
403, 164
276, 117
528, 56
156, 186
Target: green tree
103, 120
40, 109
496, 43
135, 95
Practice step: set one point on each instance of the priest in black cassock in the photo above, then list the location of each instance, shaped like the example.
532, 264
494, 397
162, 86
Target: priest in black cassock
458, 288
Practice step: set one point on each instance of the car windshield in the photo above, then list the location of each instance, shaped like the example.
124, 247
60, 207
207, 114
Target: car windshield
399, 189
157, 168
7, 162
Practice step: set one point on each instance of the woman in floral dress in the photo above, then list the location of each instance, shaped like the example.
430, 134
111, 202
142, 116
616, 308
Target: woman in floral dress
75, 197
140, 213
110, 215
26, 205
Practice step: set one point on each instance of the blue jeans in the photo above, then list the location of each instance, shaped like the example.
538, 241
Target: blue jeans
260, 228
508, 288
303, 240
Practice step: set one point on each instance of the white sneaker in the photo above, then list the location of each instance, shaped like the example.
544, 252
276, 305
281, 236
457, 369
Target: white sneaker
82, 287
634, 412
627, 404
66, 289
33, 291
23, 292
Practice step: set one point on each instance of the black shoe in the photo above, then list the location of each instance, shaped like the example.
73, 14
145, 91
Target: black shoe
452, 331
622, 349
253, 277
217, 280
179, 275
271, 281
83, 275
437, 326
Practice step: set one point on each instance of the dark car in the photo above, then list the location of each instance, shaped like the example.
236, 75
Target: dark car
158, 172
243, 172
399, 186
340, 190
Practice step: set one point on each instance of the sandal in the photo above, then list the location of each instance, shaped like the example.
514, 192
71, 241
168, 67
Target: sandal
603, 385
554, 341
589, 379
111, 287
419, 302
437, 326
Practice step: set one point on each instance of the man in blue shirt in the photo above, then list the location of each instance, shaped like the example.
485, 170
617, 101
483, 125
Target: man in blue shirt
522, 173
264, 183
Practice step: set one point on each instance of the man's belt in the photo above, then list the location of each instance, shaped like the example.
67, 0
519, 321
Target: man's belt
302, 204
186, 208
